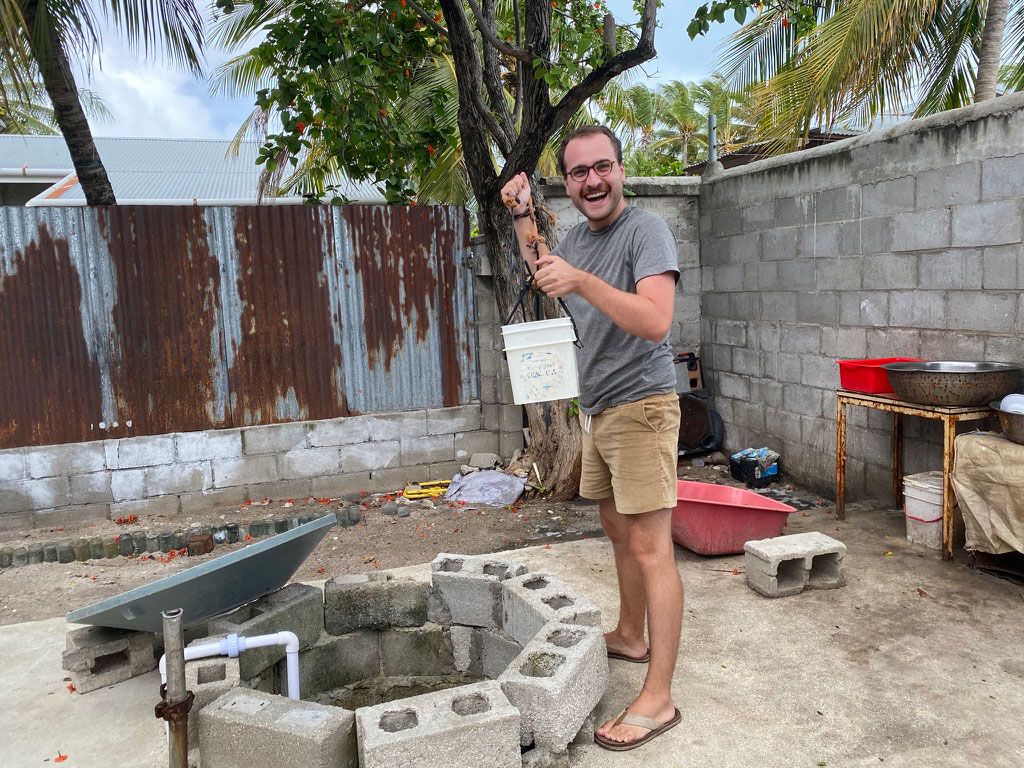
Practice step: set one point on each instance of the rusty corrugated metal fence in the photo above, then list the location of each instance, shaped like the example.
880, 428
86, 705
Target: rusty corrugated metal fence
144, 320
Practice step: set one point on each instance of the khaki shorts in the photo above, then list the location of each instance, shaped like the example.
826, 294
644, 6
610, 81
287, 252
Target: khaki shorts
630, 452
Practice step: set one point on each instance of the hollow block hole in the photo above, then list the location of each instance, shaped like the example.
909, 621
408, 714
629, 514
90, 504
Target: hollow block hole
450, 566
211, 673
541, 665
110, 661
790, 574
824, 569
565, 638
470, 705
536, 583
558, 601
496, 569
399, 720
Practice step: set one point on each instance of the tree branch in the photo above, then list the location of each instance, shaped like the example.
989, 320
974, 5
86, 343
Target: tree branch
518, 109
616, 65
427, 18
493, 39
492, 78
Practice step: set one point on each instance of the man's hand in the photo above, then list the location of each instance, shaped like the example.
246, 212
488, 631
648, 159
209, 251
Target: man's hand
556, 277
516, 194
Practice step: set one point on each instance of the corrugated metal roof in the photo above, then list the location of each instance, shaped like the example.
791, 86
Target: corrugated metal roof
144, 169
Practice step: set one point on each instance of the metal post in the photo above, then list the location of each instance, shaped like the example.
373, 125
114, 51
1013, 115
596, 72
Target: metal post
712, 138
177, 702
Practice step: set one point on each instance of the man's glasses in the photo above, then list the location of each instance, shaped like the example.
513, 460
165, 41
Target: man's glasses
601, 168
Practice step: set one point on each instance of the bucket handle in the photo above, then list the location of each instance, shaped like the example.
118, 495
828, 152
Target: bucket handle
519, 305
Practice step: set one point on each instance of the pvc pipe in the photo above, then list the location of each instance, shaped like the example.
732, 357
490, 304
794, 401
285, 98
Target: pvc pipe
232, 645
34, 173
66, 203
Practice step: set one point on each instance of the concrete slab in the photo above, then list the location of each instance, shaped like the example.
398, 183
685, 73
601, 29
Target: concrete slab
876, 673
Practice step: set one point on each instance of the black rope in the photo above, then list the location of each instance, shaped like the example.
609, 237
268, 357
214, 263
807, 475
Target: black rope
561, 302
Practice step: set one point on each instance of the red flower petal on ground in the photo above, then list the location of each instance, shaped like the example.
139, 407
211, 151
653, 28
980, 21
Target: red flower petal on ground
60, 758
71, 687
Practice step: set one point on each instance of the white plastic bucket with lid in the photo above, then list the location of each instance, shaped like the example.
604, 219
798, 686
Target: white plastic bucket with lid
541, 360
922, 506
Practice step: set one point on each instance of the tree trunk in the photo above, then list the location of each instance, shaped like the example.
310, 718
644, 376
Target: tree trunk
991, 47
556, 443
67, 109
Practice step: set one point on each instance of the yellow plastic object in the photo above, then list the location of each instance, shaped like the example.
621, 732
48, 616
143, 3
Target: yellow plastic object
428, 489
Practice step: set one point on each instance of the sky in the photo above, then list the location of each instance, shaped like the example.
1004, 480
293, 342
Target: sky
149, 99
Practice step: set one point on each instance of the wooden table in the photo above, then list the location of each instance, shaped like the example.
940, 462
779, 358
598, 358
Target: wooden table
949, 415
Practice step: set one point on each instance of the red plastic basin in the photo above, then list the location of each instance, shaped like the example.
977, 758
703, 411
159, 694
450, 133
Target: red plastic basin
869, 376
718, 519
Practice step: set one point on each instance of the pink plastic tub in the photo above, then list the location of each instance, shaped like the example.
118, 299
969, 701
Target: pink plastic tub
718, 519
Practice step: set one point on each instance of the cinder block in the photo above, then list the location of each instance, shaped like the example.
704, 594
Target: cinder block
392, 426
472, 725
467, 590
296, 608
210, 444
417, 652
1002, 177
497, 651
178, 478
466, 650
429, 449
535, 599
244, 471
787, 565
245, 729
919, 230
208, 679
92, 488
101, 656
992, 223
309, 462
950, 185
373, 601
462, 418
343, 431
144, 451
332, 662
888, 196
76, 459
364, 457
274, 438
13, 465
556, 682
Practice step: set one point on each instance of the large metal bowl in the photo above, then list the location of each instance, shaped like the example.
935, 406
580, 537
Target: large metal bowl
953, 383
1012, 424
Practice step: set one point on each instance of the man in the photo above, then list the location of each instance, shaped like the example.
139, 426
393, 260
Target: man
617, 272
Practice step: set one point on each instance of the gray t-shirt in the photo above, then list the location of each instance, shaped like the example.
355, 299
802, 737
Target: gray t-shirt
616, 367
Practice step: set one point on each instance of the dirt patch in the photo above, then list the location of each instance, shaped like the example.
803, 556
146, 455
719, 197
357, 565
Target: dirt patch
382, 540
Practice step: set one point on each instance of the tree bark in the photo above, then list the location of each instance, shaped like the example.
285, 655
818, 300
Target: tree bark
48, 51
555, 438
989, 53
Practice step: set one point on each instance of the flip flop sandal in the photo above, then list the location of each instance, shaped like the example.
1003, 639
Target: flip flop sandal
634, 659
627, 718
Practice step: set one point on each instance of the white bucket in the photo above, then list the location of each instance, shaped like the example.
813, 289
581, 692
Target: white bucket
922, 506
541, 360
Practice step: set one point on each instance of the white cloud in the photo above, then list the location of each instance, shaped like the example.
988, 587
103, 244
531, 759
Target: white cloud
151, 99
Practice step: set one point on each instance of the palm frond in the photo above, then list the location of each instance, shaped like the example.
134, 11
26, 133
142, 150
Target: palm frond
240, 76
171, 27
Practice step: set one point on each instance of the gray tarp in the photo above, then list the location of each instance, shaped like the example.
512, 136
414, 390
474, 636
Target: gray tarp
988, 477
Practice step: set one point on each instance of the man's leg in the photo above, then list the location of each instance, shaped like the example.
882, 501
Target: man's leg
648, 540
628, 635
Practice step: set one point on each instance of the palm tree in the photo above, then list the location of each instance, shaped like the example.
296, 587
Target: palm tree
855, 61
685, 125
40, 36
33, 115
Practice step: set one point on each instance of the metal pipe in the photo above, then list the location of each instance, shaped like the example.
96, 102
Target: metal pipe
712, 138
174, 652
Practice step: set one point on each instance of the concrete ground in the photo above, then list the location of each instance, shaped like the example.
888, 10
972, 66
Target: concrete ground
915, 662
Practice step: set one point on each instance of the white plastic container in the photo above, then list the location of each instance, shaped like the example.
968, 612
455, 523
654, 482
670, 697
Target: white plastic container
541, 360
922, 506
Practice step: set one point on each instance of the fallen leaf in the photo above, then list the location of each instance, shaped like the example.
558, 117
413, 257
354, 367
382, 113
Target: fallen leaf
888, 554
60, 758
921, 592
71, 687
735, 572
547, 546
320, 570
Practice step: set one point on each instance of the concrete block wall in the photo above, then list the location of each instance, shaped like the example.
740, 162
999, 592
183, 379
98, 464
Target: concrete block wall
64, 485
676, 201
905, 242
